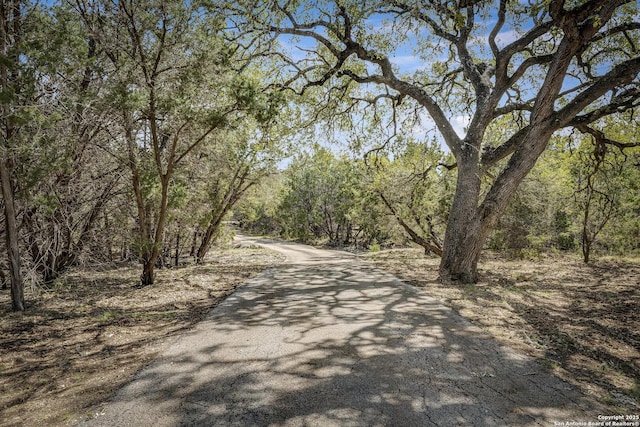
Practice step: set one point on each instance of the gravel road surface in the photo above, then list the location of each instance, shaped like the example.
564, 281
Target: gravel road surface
328, 340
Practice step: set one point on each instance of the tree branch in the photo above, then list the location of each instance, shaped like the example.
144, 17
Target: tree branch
415, 237
620, 75
601, 140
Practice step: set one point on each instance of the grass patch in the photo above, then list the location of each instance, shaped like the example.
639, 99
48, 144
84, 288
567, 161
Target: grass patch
634, 391
108, 316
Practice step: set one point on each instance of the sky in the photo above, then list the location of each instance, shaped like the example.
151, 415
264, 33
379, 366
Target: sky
408, 61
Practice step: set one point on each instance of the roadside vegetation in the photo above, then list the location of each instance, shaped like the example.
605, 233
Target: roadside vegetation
132, 133
573, 202
91, 331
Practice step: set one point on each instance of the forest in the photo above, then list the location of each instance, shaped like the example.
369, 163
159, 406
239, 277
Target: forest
484, 151
136, 131
573, 202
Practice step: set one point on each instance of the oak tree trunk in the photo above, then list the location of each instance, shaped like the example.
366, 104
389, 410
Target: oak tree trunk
464, 236
470, 222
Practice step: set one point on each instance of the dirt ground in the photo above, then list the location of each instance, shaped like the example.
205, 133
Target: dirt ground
91, 332
581, 321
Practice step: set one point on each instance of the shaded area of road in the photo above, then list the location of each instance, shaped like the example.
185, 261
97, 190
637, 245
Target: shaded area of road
327, 340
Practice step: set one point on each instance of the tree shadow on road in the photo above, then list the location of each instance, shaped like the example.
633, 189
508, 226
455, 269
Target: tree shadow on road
345, 344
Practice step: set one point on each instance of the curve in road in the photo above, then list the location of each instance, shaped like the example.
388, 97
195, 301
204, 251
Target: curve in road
328, 340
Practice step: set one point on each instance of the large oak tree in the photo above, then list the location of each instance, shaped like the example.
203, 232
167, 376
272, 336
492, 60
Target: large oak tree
544, 65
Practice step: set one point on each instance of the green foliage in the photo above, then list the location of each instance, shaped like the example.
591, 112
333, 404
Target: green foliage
634, 391
418, 188
320, 197
108, 316
258, 211
142, 247
187, 109
323, 197
605, 182
548, 212
178, 195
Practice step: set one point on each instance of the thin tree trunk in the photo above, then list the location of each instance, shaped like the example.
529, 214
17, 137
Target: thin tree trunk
10, 20
151, 244
211, 232
194, 244
236, 189
148, 274
109, 239
124, 251
13, 251
586, 248
3, 278
415, 237
586, 240
176, 260
145, 253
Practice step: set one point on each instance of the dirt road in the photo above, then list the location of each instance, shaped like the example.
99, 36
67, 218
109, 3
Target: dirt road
327, 340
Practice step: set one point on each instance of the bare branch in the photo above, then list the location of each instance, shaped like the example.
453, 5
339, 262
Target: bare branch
526, 65
620, 75
512, 107
601, 140
502, 11
416, 13
415, 237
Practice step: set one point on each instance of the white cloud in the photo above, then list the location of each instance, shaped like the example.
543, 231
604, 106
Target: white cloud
426, 128
502, 39
460, 124
506, 37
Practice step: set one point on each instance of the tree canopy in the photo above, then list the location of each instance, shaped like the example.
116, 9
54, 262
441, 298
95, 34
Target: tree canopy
544, 66
132, 130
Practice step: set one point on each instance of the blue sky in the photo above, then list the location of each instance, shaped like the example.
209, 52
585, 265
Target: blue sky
408, 58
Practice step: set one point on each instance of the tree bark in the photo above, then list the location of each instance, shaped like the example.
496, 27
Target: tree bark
194, 244
176, 260
10, 27
209, 234
3, 278
237, 187
586, 240
465, 235
148, 274
470, 221
13, 251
